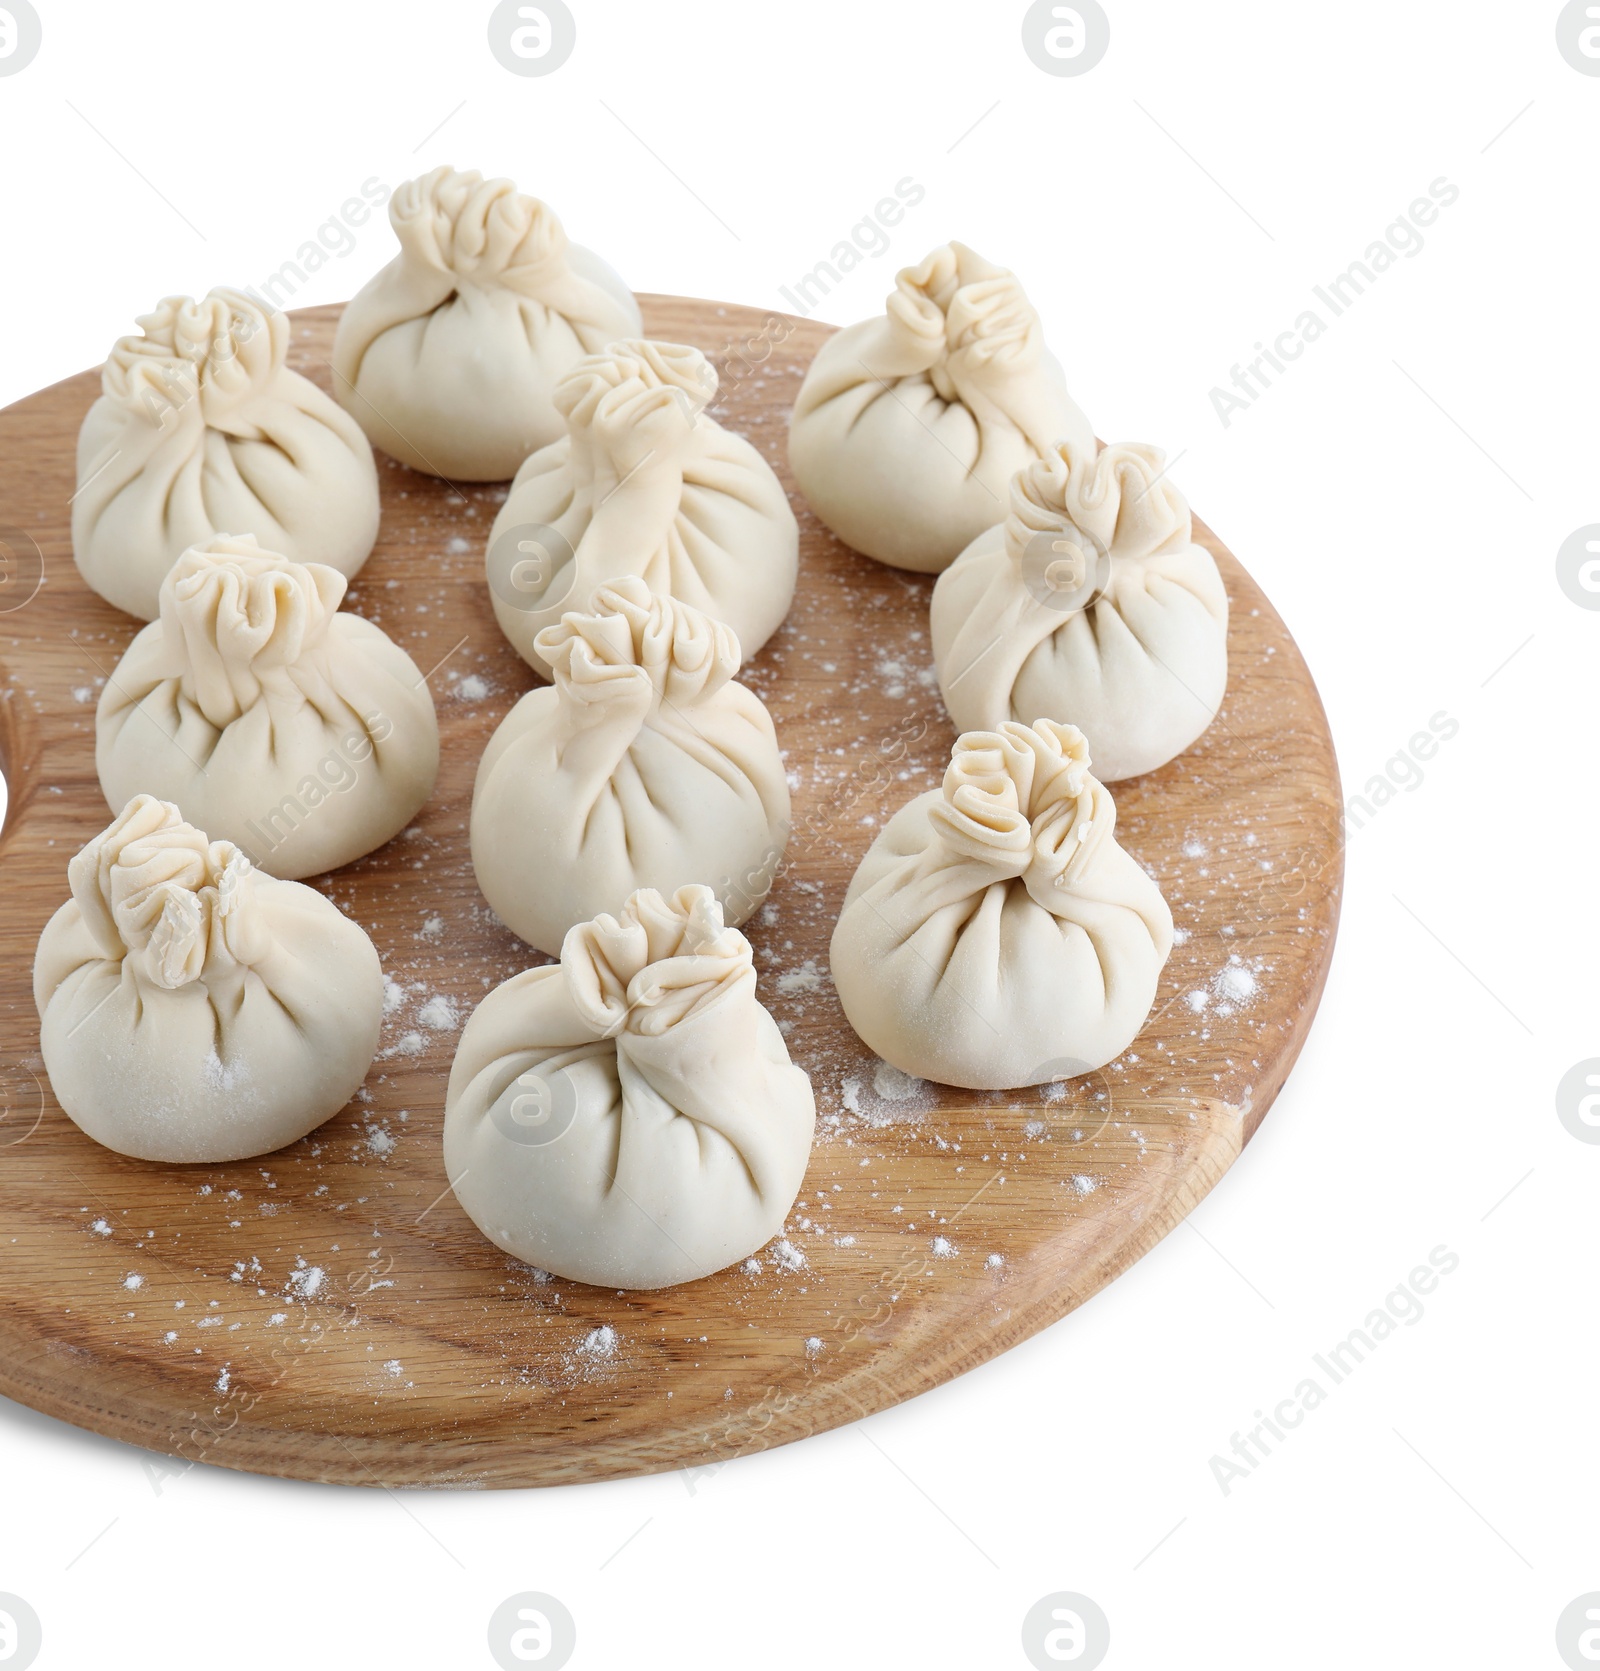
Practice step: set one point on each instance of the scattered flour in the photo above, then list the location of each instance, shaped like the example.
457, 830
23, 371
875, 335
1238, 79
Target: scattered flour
439, 1013
306, 1282
806, 978
894, 1096
893, 1085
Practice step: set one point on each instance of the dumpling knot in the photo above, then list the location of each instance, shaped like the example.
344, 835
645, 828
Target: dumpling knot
482, 232
1021, 799
152, 890
629, 632
235, 618
207, 357
955, 304
657, 389
655, 963
1118, 502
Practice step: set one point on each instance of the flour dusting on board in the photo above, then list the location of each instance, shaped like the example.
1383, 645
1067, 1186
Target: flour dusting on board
305, 1281
808, 977
889, 1097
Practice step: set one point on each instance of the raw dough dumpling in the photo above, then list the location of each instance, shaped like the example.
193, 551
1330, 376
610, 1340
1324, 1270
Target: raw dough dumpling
996, 935
192, 1008
630, 1116
202, 427
304, 736
644, 766
644, 483
448, 358
909, 427
1090, 603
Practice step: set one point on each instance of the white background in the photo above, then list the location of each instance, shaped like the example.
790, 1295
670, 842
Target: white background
1167, 210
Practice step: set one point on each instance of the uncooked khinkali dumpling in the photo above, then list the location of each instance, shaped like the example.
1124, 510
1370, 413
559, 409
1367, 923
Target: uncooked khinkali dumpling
1090, 603
630, 1116
996, 935
193, 1009
644, 766
303, 736
909, 427
202, 427
449, 357
644, 483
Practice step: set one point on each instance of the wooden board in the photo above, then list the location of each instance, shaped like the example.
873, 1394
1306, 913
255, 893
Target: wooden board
329, 1312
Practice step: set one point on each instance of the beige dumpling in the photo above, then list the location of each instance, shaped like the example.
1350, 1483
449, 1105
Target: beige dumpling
644, 483
996, 935
201, 428
1091, 604
304, 736
193, 1009
909, 427
449, 357
630, 1116
644, 766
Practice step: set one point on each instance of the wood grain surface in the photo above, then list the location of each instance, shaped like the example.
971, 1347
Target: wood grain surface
328, 1312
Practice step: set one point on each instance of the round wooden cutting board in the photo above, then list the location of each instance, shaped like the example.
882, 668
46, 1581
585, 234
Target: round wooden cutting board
328, 1312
